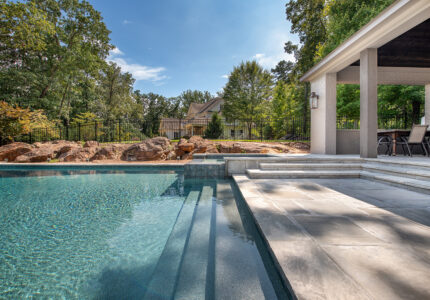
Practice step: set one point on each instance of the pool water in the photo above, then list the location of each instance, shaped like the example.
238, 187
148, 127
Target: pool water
129, 235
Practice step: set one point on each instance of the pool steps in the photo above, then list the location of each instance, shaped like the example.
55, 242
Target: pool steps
162, 284
412, 175
193, 271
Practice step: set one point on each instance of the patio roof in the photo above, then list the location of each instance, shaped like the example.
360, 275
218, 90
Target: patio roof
401, 33
393, 48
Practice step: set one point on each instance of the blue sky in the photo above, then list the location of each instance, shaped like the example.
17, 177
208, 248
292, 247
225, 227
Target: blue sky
170, 46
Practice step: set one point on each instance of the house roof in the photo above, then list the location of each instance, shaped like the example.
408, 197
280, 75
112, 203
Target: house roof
198, 108
389, 26
208, 105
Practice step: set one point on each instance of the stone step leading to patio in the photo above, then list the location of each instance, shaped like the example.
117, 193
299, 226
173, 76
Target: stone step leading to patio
308, 159
163, 279
414, 172
192, 281
286, 174
422, 186
409, 171
309, 166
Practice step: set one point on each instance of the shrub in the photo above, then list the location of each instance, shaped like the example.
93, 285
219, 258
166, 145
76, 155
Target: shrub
16, 121
215, 127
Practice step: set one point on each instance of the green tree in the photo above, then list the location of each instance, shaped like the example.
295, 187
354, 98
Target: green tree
187, 97
308, 22
344, 18
215, 127
116, 101
283, 71
155, 107
67, 41
247, 93
279, 109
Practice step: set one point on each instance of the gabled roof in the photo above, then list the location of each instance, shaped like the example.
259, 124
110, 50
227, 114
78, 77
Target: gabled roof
395, 20
198, 108
208, 105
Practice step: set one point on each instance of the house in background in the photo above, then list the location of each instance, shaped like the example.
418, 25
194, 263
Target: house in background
195, 122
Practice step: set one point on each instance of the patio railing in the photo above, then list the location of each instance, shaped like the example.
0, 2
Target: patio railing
384, 122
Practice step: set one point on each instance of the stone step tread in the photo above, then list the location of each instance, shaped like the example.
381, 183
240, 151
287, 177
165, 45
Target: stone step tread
397, 169
271, 166
406, 162
410, 171
193, 273
300, 173
309, 160
163, 280
401, 180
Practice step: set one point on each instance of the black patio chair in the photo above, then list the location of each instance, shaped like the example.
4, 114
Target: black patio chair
416, 137
387, 141
427, 143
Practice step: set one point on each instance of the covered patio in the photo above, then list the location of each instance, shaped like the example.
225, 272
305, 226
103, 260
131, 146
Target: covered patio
394, 48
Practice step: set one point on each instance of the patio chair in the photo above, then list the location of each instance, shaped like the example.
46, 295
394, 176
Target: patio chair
387, 141
427, 143
416, 137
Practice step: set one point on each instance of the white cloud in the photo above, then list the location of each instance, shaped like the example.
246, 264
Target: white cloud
273, 51
115, 52
225, 76
126, 22
139, 72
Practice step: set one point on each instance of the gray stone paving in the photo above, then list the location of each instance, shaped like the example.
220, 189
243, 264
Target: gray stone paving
345, 238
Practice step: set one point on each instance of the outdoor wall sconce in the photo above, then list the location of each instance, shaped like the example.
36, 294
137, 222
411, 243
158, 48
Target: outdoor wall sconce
314, 100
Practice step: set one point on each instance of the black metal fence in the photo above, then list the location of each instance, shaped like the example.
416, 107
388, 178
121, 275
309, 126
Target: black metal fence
384, 122
264, 129
97, 131
258, 130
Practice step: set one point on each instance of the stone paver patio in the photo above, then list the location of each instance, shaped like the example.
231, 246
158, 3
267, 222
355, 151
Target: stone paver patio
344, 238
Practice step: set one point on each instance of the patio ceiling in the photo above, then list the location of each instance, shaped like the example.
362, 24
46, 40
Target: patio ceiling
403, 60
411, 49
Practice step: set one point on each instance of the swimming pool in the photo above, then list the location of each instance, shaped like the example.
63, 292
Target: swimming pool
129, 234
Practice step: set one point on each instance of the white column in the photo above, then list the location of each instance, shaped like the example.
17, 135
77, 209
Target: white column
427, 104
368, 103
323, 119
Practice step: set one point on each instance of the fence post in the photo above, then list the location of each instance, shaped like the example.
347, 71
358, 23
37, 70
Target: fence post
79, 131
261, 130
95, 131
119, 131
294, 128
31, 136
180, 129
234, 130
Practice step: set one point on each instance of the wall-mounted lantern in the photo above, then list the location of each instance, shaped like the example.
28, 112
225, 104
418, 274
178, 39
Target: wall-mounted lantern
314, 100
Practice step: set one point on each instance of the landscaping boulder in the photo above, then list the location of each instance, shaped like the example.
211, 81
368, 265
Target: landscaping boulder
252, 147
186, 147
89, 144
110, 152
78, 155
152, 149
37, 155
12, 151
203, 146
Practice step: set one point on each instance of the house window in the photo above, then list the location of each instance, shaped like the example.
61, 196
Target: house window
176, 135
232, 132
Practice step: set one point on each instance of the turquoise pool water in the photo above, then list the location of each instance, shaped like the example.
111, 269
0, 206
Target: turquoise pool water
127, 234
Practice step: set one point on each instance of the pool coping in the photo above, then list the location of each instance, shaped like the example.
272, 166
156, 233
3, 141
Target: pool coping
275, 259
